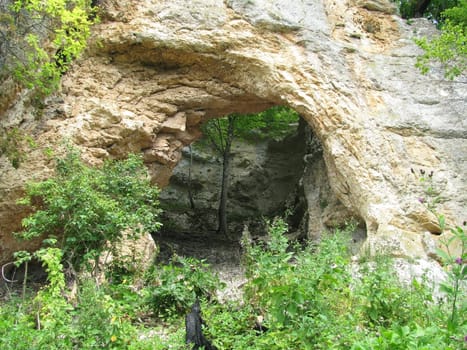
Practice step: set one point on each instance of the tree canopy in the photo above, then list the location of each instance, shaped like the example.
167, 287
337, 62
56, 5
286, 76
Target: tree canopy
40, 38
275, 122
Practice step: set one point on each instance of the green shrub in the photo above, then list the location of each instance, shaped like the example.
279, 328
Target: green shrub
100, 321
173, 288
303, 293
41, 38
86, 208
382, 297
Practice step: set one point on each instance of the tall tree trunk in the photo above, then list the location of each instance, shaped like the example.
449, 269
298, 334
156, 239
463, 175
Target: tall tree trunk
222, 212
190, 190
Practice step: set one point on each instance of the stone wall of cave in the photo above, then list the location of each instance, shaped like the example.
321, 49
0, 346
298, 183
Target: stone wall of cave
285, 177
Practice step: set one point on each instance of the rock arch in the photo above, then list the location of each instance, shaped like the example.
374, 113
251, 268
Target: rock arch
155, 70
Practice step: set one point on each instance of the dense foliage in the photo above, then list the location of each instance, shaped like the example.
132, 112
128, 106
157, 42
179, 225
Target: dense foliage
310, 296
449, 48
276, 122
40, 38
174, 287
315, 298
83, 208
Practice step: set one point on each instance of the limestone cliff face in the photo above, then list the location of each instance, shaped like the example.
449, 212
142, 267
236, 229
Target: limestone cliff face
156, 69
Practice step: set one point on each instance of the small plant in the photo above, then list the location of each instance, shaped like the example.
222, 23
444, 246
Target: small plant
456, 285
174, 287
455, 263
431, 196
384, 300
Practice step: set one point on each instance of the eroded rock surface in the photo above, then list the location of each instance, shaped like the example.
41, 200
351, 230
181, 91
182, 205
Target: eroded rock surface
155, 70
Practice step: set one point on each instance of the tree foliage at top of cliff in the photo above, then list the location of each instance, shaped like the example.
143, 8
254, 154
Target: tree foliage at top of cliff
40, 38
425, 8
450, 47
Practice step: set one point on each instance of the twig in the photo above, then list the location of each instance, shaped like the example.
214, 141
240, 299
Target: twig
3, 273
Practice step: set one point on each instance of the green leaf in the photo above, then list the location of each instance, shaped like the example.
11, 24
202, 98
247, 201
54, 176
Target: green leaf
446, 288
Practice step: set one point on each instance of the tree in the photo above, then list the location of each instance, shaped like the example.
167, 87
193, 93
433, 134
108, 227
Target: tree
427, 8
449, 48
40, 38
82, 209
220, 133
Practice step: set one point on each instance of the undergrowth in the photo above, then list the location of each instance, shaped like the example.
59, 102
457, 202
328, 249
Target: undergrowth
297, 296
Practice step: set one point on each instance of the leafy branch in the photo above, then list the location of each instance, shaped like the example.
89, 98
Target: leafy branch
40, 38
85, 208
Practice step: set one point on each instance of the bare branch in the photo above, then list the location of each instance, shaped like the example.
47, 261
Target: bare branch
3, 273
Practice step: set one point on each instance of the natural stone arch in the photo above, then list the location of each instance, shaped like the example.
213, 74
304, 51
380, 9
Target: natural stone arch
152, 76
183, 98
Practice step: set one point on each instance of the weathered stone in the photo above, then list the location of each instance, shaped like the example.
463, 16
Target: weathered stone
175, 124
377, 5
347, 70
134, 255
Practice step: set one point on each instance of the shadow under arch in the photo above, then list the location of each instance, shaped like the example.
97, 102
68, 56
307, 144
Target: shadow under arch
269, 177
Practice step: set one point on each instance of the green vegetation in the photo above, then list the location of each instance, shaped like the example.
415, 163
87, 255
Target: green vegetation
275, 123
296, 297
311, 295
82, 209
40, 38
173, 288
12, 144
449, 48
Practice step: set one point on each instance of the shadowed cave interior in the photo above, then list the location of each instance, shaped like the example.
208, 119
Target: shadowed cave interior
268, 178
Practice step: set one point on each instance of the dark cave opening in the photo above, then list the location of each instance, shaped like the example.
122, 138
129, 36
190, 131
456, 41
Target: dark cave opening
269, 178
263, 182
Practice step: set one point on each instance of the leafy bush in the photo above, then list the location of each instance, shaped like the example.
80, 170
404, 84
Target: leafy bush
313, 297
173, 288
100, 321
49, 321
302, 293
84, 208
382, 297
41, 38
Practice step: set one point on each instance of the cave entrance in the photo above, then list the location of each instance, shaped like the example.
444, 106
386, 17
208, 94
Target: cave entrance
282, 174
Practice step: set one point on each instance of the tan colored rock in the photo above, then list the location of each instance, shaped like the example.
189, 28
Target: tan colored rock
347, 70
136, 256
378, 5
175, 124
